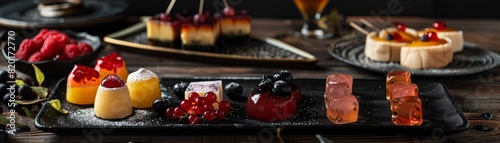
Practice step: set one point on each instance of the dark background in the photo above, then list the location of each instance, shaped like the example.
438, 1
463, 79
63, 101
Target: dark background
477, 9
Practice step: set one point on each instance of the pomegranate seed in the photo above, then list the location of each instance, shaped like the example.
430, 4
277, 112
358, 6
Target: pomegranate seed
209, 115
439, 25
432, 36
186, 105
193, 119
210, 97
220, 114
224, 106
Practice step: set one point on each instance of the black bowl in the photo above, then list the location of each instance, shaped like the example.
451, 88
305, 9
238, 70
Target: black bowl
53, 68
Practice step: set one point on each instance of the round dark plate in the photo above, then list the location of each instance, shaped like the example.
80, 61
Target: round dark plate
56, 69
471, 60
24, 14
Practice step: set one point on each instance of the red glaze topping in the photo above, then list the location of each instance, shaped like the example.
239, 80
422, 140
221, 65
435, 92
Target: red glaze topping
269, 107
112, 81
439, 25
400, 26
81, 74
110, 62
432, 36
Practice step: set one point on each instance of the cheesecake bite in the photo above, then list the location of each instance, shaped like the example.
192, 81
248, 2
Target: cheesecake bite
164, 30
112, 64
428, 52
235, 26
82, 84
144, 88
112, 99
199, 33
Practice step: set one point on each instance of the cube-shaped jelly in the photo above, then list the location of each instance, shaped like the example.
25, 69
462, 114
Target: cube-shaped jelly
338, 84
342, 109
407, 111
401, 89
395, 76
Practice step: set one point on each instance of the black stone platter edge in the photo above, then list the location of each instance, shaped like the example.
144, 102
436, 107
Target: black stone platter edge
440, 113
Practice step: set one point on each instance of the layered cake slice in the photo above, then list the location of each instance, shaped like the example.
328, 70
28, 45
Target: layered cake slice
235, 26
199, 33
164, 30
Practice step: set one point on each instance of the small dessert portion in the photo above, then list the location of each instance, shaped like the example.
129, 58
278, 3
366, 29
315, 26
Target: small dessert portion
112, 99
406, 106
235, 26
428, 52
164, 30
386, 45
144, 88
341, 106
112, 64
204, 88
200, 33
274, 99
395, 76
456, 36
82, 85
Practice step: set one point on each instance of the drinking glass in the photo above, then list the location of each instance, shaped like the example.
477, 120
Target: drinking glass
311, 13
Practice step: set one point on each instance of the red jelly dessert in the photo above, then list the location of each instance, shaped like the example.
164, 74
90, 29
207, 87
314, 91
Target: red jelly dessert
112, 64
275, 99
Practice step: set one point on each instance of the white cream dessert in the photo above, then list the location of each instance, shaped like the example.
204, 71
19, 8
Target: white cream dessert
429, 52
386, 45
200, 34
164, 30
456, 36
204, 87
112, 99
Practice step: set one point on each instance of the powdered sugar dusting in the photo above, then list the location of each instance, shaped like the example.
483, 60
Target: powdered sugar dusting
86, 117
141, 75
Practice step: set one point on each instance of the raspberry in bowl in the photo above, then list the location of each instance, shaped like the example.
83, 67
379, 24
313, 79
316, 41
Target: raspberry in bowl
54, 52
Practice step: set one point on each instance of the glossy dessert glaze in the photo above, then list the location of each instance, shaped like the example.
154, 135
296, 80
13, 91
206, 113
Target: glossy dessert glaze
112, 64
82, 84
269, 107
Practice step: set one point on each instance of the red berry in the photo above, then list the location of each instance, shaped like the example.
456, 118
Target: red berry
400, 26
210, 97
198, 110
109, 62
397, 37
27, 48
169, 113
209, 115
432, 36
208, 107
439, 25
229, 11
38, 56
53, 45
178, 112
186, 105
224, 106
112, 81
193, 119
220, 114
193, 96
199, 18
200, 101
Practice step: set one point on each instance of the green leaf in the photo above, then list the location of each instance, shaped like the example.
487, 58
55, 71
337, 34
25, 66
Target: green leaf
20, 82
42, 92
39, 75
29, 102
28, 113
57, 105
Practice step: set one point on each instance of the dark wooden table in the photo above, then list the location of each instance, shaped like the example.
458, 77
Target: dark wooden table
474, 94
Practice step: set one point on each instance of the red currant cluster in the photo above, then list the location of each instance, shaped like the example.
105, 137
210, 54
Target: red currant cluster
196, 106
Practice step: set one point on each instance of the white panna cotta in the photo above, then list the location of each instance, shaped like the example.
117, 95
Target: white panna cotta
112, 99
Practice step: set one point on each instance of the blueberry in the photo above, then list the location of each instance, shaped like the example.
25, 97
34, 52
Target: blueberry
26, 92
4, 76
267, 77
179, 89
486, 116
266, 85
389, 37
233, 90
160, 106
6, 99
285, 75
424, 38
282, 88
3, 88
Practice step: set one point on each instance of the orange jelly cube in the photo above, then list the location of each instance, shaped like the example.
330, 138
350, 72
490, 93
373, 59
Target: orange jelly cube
395, 76
82, 84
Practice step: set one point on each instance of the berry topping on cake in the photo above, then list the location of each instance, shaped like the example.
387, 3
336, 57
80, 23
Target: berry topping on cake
228, 11
112, 81
439, 25
400, 26
83, 74
432, 36
424, 38
110, 62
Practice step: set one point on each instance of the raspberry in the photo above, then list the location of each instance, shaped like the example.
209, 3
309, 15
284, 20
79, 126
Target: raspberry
61, 57
38, 56
53, 45
27, 48
72, 51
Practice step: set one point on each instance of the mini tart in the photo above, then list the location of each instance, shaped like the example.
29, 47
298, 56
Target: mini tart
429, 54
378, 49
456, 36
163, 33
